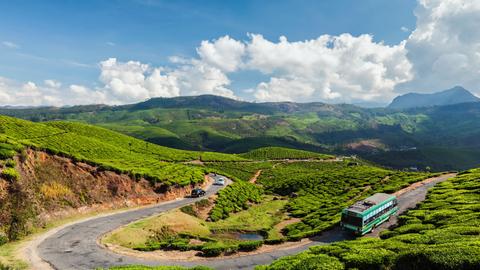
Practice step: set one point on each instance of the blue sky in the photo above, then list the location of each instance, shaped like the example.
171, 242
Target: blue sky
54, 36
67, 41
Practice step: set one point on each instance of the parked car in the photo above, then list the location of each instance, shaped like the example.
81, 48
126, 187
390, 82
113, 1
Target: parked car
219, 182
197, 192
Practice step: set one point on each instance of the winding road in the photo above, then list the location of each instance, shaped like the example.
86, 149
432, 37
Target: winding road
76, 246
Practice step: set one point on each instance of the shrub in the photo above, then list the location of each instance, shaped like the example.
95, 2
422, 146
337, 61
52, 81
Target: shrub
10, 174
217, 249
305, 261
274, 241
3, 239
249, 245
10, 163
7, 153
188, 209
368, 259
235, 198
440, 258
202, 203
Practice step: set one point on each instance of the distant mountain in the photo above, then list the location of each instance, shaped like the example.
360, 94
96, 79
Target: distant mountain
452, 96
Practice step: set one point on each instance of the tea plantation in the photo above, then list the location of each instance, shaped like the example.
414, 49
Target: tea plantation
322, 189
274, 153
441, 233
108, 149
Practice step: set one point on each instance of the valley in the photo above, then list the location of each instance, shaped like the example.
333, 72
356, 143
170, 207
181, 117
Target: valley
277, 200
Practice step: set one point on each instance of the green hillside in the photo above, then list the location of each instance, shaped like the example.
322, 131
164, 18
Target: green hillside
441, 233
396, 138
110, 150
273, 153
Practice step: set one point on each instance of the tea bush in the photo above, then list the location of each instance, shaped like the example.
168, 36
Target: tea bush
234, 198
249, 245
274, 153
10, 174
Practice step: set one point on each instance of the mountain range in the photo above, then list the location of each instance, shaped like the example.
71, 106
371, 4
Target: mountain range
452, 96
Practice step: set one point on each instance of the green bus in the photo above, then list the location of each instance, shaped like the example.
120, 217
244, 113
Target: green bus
363, 216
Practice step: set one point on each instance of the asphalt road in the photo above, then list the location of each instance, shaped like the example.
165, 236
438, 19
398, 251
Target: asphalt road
76, 247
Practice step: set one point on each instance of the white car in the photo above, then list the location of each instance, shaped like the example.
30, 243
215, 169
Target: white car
219, 182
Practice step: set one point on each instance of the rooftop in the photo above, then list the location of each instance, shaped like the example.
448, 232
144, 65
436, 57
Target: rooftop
365, 204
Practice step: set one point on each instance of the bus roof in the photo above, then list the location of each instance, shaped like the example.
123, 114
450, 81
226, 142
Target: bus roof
375, 199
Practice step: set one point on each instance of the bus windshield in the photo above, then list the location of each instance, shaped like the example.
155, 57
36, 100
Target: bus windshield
352, 220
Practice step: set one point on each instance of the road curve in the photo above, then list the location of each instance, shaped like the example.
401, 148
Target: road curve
76, 247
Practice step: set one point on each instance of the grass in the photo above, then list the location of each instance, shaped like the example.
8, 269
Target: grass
259, 217
138, 233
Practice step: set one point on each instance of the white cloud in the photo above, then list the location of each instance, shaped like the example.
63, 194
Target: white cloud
224, 53
133, 81
445, 46
27, 94
10, 44
405, 29
341, 67
52, 83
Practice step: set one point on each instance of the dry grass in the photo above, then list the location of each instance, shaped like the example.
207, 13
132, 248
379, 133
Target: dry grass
54, 190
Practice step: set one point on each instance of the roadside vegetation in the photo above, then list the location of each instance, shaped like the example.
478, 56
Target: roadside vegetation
442, 233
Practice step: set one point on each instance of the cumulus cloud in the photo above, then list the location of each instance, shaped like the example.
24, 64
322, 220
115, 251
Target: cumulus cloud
52, 83
341, 67
445, 46
27, 94
133, 81
224, 53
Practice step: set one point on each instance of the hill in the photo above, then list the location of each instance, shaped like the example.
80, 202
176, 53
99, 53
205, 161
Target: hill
452, 96
109, 149
395, 138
